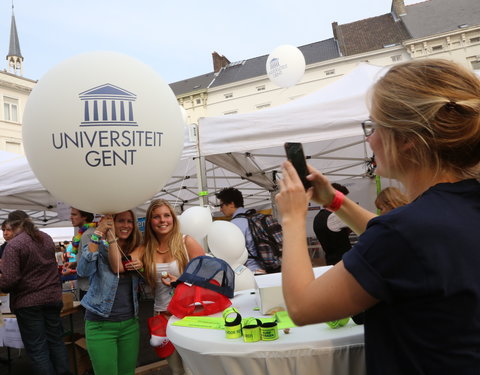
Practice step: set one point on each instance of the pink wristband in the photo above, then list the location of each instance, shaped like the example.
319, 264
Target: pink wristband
336, 202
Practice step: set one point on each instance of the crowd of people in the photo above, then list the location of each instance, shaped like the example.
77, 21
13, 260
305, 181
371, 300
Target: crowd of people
412, 275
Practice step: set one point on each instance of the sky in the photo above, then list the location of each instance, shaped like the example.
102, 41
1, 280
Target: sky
175, 38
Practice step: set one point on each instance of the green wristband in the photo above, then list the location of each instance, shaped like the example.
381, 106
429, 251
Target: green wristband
233, 327
269, 331
251, 330
338, 323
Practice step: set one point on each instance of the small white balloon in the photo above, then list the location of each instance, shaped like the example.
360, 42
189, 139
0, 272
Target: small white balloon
226, 241
285, 66
196, 222
102, 132
244, 279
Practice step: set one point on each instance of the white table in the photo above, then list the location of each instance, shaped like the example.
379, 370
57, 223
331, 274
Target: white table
313, 349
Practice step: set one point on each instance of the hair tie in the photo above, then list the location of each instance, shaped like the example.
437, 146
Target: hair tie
450, 105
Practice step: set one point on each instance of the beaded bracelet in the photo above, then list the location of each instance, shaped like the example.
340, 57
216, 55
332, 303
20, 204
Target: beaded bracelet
97, 241
94, 239
336, 202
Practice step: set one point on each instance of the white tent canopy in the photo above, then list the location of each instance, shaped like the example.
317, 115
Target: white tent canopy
333, 112
244, 151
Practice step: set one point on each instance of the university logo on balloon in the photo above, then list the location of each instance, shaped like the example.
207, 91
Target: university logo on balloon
112, 106
285, 66
103, 132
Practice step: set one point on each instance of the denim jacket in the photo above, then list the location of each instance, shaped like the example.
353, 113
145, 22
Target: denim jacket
103, 282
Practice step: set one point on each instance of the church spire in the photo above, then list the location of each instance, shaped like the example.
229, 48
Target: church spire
14, 56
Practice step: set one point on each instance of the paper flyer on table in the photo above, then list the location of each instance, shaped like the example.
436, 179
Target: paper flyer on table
11, 337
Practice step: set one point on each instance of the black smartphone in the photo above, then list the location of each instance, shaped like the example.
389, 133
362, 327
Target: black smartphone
295, 155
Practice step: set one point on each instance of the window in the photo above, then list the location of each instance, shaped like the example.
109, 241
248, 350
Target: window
198, 101
230, 112
264, 105
437, 48
228, 96
475, 64
396, 58
10, 109
475, 40
14, 147
329, 72
261, 88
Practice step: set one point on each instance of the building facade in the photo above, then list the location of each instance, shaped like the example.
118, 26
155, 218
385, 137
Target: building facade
431, 28
428, 29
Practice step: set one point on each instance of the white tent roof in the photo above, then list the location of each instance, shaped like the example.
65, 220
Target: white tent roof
332, 112
244, 151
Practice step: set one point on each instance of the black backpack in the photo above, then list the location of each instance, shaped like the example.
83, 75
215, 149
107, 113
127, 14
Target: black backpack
268, 238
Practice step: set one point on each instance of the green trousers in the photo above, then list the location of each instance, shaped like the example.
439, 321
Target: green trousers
113, 346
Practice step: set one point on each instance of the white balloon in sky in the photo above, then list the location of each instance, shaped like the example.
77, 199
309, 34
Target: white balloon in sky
285, 66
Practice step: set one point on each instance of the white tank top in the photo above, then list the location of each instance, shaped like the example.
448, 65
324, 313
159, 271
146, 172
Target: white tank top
163, 292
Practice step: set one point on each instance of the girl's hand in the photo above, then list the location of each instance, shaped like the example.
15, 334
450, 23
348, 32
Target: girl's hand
134, 264
292, 200
105, 224
323, 192
168, 279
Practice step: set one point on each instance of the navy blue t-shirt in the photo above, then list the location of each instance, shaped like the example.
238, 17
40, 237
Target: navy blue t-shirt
422, 261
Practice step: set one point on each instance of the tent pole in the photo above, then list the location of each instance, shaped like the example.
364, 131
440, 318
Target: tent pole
379, 188
201, 168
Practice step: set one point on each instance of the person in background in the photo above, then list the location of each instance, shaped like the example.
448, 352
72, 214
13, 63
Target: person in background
414, 270
165, 253
29, 273
7, 236
111, 302
231, 205
59, 251
332, 233
84, 222
390, 198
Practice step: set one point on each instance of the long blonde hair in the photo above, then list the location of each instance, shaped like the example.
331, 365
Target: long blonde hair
434, 105
150, 243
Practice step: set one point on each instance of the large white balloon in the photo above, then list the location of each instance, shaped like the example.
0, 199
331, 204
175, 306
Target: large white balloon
102, 132
196, 222
226, 241
285, 66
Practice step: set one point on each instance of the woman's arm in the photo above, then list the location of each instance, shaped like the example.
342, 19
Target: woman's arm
336, 294
352, 214
114, 254
194, 249
89, 253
